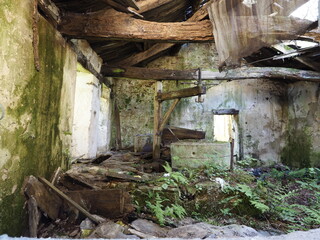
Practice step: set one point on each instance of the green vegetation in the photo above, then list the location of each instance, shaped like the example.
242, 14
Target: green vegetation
280, 199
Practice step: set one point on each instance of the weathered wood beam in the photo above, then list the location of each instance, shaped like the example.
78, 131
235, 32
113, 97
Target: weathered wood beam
167, 115
182, 93
157, 106
232, 74
114, 25
263, 72
161, 48
148, 73
70, 201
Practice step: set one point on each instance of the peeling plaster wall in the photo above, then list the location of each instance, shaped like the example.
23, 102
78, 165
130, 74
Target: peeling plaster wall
262, 105
34, 134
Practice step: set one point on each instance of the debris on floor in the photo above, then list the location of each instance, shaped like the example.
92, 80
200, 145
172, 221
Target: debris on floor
128, 195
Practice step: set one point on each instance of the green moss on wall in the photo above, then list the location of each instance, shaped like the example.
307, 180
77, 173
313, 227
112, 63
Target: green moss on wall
297, 151
34, 144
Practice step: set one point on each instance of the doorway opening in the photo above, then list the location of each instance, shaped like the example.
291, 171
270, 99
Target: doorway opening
225, 129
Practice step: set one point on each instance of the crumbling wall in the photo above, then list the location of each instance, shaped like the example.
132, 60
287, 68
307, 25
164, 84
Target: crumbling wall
262, 105
35, 132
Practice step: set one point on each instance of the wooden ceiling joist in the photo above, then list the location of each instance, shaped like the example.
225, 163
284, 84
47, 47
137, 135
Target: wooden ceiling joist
115, 25
160, 48
231, 74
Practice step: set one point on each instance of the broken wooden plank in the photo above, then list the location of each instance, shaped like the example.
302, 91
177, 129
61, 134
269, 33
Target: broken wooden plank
109, 203
47, 202
175, 133
231, 74
167, 115
70, 201
115, 25
182, 93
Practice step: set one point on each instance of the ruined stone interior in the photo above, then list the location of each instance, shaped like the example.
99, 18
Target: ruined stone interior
71, 92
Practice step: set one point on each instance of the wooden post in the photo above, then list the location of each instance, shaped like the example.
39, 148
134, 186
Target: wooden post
231, 156
156, 121
118, 126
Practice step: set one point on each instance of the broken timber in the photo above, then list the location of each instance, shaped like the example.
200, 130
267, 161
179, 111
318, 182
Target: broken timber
232, 74
70, 201
114, 25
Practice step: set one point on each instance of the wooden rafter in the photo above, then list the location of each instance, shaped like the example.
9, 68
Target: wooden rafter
193, 74
114, 25
161, 48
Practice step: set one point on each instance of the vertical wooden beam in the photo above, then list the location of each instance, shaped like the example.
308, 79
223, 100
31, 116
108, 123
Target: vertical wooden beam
231, 154
156, 121
118, 125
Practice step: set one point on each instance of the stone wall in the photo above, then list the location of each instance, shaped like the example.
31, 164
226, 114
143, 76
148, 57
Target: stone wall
35, 132
271, 114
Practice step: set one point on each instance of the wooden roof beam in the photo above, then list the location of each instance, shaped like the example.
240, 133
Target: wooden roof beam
231, 74
160, 48
113, 25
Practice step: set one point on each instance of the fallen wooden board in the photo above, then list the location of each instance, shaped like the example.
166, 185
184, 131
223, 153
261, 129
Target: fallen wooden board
47, 201
175, 134
70, 201
109, 203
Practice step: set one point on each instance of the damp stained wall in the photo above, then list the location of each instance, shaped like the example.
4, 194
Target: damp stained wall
35, 132
269, 111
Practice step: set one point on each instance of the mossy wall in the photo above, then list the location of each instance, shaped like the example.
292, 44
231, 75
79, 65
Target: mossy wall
302, 147
38, 107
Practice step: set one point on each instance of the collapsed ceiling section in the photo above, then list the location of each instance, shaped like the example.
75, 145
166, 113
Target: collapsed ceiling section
117, 29
126, 33
242, 27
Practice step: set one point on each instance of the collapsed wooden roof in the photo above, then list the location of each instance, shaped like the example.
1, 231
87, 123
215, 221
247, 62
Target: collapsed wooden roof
134, 32
127, 24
